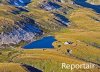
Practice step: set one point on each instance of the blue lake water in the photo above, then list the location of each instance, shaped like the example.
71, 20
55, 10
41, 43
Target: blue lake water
45, 42
88, 5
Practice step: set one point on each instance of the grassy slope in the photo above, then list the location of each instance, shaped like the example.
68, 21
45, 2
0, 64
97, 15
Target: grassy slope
84, 31
11, 67
97, 2
48, 60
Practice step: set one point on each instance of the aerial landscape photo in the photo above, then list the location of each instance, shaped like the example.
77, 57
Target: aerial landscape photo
49, 35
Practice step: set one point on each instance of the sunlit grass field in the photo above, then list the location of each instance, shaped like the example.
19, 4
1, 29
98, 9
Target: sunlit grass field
84, 32
96, 2
11, 67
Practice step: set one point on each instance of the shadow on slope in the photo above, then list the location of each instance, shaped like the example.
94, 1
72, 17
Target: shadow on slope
19, 2
31, 69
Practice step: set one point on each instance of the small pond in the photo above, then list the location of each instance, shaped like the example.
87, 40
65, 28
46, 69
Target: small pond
45, 42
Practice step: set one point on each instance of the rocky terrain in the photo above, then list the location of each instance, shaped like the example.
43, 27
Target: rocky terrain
23, 23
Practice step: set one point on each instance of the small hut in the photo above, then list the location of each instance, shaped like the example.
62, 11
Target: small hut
69, 51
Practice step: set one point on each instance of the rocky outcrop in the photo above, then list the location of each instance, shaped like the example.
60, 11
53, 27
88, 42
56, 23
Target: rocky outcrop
28, 25
23, 30
50, 6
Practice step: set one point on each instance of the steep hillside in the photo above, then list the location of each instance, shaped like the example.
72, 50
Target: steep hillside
11, 67
95, 2
15, 67
75, 25
20, 23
